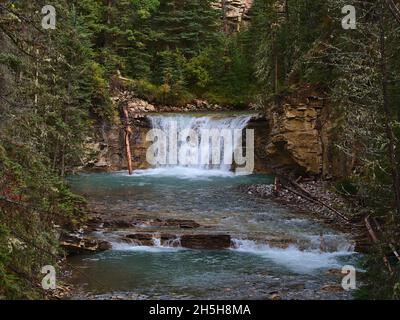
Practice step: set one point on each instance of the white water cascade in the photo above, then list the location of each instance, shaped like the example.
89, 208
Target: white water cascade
193, 150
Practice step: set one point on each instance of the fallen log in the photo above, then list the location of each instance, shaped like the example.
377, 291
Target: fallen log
341, 215
391, 245
128, 133
375, 240
308, 196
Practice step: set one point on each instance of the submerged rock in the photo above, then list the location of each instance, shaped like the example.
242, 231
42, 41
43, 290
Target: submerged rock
118, 224
184, 224
275, 296
144, 239
138, 222
335, 288
190, 241
206, 241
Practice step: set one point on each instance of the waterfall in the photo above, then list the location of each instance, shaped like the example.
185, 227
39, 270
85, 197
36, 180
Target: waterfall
205, 142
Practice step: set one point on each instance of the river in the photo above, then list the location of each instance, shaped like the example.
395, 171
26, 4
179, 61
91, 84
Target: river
274, 251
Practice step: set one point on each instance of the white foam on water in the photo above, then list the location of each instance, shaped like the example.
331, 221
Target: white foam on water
172, 245
292, 258
296, 221
206, 167
332, 242
127, 247
181, 173
199, 171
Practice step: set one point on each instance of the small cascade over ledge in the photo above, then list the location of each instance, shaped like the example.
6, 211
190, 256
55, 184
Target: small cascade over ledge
217, 143
108, 152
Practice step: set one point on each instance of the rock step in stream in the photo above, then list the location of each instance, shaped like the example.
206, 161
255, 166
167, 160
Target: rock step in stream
78, 244
190, 241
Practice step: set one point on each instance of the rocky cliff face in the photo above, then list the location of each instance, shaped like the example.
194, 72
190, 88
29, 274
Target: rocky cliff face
107, 150
297, 135
302, 136
235, 12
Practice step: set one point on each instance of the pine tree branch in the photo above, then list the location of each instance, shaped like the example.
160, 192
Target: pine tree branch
394, 9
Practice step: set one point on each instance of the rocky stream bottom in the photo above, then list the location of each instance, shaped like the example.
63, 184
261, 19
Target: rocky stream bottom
200, 234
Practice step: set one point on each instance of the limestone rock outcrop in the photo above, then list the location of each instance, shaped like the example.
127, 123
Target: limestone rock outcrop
77, 244
302, 136
295, 139
206, 241
236, 12
191, 241
106, 151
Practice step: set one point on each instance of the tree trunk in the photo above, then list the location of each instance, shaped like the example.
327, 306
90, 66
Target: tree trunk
128, 133
375, 240
62, 166
36, 99
225, 19
388, 117
107, 34
109, 5
287, 10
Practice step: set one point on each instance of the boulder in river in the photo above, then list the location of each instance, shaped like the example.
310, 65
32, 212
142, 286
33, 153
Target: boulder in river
206, 241
190, 241
144, 239
75, 244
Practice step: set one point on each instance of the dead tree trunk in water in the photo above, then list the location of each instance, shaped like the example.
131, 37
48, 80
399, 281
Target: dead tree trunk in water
128, 133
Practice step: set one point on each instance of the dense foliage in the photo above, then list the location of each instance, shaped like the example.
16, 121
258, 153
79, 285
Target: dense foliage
55, 84
49, 88
358, 69
174, 51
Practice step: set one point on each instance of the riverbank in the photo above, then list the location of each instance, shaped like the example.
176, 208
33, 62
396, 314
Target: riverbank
324, 210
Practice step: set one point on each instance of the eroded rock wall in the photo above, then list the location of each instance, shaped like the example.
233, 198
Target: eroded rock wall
296, 135
106, 152
302, 136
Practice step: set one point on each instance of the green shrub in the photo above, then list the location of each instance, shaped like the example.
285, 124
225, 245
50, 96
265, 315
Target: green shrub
32, 201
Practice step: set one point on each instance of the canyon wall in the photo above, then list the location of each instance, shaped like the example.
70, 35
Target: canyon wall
106, 152
302, 136
297, 135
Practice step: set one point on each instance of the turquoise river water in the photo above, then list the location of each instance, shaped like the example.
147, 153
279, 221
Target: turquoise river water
274, 251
